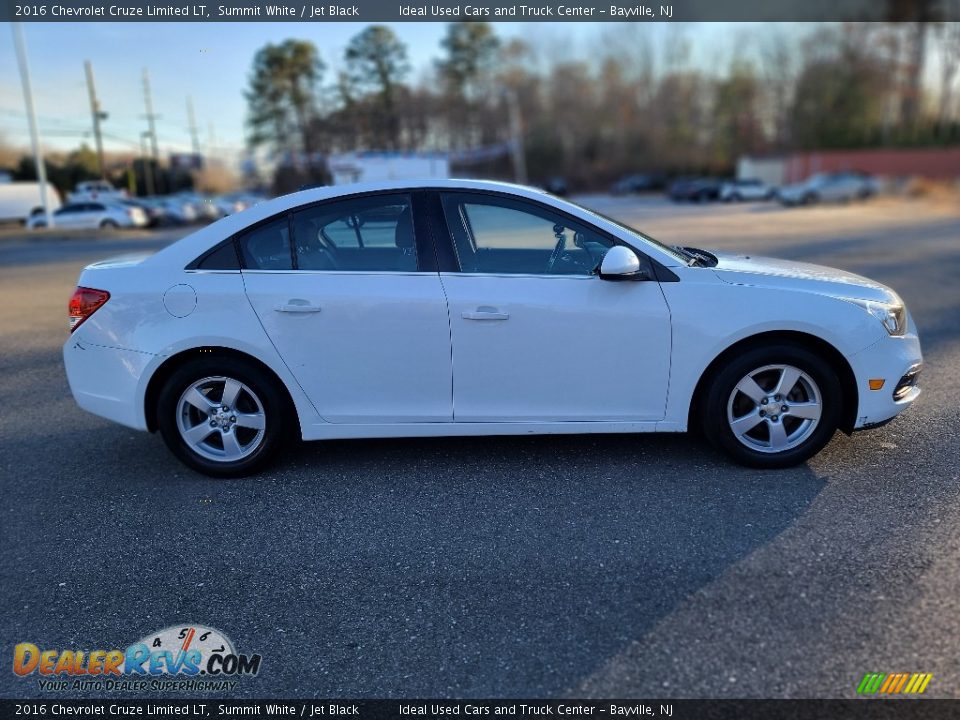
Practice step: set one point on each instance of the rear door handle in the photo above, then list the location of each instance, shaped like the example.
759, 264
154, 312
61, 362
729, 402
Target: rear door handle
483, 313
297, 306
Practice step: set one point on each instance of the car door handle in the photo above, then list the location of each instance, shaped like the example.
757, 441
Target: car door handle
297, 306
485, 314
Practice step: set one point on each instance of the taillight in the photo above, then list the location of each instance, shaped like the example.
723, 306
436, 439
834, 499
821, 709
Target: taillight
84, 303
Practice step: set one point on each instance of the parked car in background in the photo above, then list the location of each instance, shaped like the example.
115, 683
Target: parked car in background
746, 189
462, 307
176, 209
695, 189
642, 182
93, 215
96, 191
20, 200
236, 202
155, 214
557, 186
205, 205
829, 187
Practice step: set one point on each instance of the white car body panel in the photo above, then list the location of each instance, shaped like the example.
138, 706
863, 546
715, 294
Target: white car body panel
391, 354
560, 353
386, 333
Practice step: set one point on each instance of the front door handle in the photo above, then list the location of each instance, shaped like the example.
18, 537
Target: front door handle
485, 313
297, 306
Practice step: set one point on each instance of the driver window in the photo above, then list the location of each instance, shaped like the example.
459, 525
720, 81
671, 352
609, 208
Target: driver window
494, 235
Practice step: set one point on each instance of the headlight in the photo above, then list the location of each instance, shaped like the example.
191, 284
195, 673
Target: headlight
893, 317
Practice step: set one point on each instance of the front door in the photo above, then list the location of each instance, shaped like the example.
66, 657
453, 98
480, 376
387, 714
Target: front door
537, 335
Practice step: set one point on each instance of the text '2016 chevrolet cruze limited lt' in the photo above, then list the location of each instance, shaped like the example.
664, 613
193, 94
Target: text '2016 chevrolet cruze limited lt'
475, 308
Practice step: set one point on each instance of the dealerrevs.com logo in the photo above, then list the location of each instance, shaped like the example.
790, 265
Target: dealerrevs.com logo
180, 657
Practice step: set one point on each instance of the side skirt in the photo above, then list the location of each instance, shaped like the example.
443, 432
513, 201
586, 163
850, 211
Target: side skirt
331, 431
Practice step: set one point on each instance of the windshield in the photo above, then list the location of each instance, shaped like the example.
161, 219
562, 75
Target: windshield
675, 252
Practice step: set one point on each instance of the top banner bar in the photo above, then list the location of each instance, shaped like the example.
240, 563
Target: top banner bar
486, 10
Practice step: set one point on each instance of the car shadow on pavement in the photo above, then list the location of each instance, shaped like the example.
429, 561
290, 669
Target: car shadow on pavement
423, 567
509, 566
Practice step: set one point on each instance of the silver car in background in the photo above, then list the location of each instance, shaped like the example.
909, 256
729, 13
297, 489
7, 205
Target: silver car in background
746, 189
829, 187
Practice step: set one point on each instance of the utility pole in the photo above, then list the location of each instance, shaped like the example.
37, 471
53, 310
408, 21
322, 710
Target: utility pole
151, 118
516, 138
194, 138
146, 163
21, 50
98, 115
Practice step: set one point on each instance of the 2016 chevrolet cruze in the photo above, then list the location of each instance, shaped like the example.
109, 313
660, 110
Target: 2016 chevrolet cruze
476, 308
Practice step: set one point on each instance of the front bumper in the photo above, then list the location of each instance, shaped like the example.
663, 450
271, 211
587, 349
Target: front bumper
898, 362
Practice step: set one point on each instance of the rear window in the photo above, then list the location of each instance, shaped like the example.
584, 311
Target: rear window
267, 246
222, 258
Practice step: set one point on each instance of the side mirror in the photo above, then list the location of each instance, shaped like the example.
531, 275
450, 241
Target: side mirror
621, 263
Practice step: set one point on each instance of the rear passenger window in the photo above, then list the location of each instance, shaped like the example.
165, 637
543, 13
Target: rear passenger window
223, 258
373, 234
267, 247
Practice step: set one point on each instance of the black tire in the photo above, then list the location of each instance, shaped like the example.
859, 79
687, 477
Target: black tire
279, 416
108, 225
811, 199
720, 399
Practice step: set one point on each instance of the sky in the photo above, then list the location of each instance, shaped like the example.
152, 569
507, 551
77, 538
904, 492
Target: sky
211, 62
208, 61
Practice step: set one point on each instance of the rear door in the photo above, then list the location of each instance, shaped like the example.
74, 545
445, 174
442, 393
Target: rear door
92, 216
537, 335
70, 215
348, 292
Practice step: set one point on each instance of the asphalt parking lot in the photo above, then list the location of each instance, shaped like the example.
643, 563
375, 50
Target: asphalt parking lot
602, 566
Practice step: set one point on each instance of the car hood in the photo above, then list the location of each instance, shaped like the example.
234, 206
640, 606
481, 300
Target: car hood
789, 275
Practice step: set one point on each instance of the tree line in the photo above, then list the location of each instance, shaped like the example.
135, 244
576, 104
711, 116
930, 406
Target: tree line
623, 107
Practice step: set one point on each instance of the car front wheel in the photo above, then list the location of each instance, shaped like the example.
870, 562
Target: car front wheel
222, 417
773, 407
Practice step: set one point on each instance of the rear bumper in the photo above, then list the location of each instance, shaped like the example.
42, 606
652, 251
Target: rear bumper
898, 362
104, 381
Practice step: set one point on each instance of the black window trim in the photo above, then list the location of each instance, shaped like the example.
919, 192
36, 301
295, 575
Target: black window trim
432, 235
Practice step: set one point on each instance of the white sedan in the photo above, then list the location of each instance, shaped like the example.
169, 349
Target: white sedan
93, 215
476, 308
745, 189
829, 187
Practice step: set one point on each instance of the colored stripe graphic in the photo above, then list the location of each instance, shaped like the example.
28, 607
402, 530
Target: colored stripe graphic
894, 683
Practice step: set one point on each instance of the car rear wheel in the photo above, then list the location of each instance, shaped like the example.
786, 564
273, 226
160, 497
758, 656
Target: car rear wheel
108, 224
222, 417
773, 407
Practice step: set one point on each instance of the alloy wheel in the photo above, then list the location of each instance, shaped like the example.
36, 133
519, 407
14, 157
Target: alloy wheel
774, 408
221, 419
